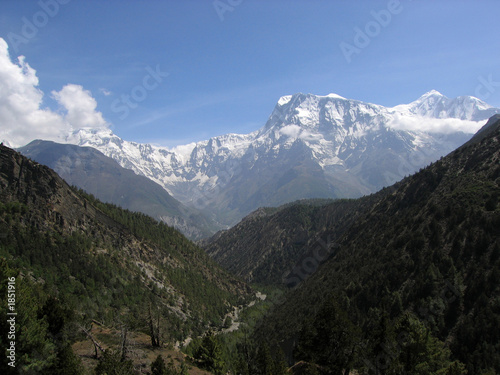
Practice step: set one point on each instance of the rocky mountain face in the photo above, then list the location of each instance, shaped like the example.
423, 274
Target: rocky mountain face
311, 147
101, 176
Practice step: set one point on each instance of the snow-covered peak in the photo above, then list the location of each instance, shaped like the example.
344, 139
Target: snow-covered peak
335, 96
434, 93
435, 105
284, 100
85, 136
323, 115
473, 101
428, 100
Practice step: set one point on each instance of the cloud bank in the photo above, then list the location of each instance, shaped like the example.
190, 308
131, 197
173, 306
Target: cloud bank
22, 117
434, 125
291, 131
296, 132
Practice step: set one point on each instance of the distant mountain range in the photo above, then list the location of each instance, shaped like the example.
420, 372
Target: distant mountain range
97, 174
311, 147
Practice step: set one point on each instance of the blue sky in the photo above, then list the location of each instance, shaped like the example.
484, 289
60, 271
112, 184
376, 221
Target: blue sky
220, 66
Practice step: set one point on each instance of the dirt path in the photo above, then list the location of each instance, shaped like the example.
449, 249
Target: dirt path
235, 314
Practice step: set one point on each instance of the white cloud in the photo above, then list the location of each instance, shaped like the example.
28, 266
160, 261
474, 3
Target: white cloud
291, 131
295, 131
80, 107
434, 125
306, 135
184, 150
22, 118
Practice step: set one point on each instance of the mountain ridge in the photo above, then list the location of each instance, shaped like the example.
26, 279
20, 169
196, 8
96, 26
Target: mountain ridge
294, 228
310, 147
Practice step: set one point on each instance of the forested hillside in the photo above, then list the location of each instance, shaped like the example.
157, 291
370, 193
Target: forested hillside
413, 285
80, 260
270, 245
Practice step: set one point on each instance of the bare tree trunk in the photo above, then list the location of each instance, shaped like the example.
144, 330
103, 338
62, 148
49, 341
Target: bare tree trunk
96, 343
124, 343
158, 330
155, 340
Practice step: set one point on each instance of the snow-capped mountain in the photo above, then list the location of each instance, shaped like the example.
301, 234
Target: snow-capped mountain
311, 146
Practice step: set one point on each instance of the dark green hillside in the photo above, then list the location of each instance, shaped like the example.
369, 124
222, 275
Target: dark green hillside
106, 264
414, 283
273, 246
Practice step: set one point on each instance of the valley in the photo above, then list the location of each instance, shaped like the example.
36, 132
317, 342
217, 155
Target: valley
236, 187
319, 285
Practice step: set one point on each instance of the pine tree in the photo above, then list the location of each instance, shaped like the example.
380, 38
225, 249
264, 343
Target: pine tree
184, 369
280, 365
332, 331
421, 353
209, 354
111, 364
456, 368
67, 363
36, 351
265, 361
158, 367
